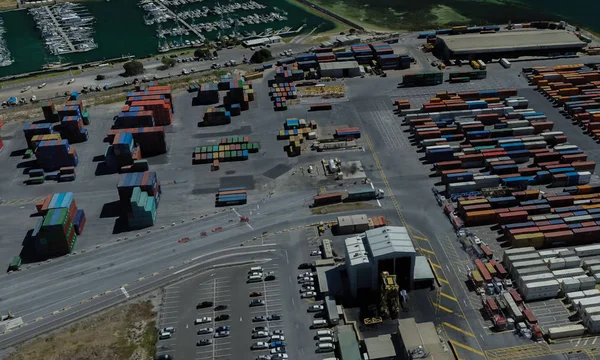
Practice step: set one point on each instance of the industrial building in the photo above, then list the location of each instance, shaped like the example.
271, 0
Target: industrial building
262, 41
387, 248
340, 69
352, 224
417, 339
507, 44
348, 343
381, 347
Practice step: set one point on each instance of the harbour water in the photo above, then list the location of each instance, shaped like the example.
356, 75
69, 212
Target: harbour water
120, 30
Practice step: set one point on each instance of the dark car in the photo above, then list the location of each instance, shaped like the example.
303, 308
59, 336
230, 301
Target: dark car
222, 328
204, 304
222, 317
255, 293
164, 357
220, 307
305, 266
270, 278
274, 317
259, 318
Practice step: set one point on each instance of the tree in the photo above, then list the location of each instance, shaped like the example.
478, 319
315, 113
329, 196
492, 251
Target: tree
202, 53
168, 62
352, 31
261, 55
100, 77
133, 67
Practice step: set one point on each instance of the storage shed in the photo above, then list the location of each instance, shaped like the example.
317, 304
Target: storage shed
339, 69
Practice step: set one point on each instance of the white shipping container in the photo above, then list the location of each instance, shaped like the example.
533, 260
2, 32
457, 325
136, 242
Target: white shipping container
565, 147
587, 283
526, 130
517, 251
517, 124
546, 254
566, 331
591, 292
535, 278
556, 263
589, 250
541, 290
587, 302
584, 177
594, 269
597, 278
521, 257
527, 263
482, 65
578, 219
430, 142
568, 285
505, 63
590, 311
593, 324
572, 296
531, 271
534, 138
568, 272
459, 187
572, 262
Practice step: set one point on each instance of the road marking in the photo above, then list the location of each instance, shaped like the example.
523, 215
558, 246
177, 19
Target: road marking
171, 267
140, 279
154, 274
427, 251
458, 329
40, 318
466, 347
442, 308
125, 292
435, 265
420, 238
448, 296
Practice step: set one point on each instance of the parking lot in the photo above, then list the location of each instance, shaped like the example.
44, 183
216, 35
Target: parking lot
229, 292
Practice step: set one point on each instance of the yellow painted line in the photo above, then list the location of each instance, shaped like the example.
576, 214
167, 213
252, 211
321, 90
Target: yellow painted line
95, 296
84, 301
454, 343
458, 329
107, 292
171, 267
448, 296
444, 281
66, 308
56, 312
442, 308
154, 274
142, 278
123, 285
436, 265
420, 238
40, 318
427, 251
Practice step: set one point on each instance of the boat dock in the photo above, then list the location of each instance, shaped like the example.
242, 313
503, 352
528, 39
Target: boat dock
185, 23
59, 28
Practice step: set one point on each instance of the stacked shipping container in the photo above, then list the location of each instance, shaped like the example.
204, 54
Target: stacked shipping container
55, 233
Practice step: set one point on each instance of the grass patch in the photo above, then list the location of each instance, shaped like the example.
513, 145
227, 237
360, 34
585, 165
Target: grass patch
8, 4
339, 26
342, 207
358, 15
40, 77
318, 40
446, 15
126, 332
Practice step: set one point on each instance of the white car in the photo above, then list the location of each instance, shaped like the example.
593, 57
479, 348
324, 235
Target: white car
308, 294
279, 356
277, 338
70, 81
315, 253
306, 274
222, 334
260, 328
304, 279
306, 288
278, 350
260, 345
308, 283
203, 320
260, 334
315, 308
264, 357
206, 330
477, 240
277, 332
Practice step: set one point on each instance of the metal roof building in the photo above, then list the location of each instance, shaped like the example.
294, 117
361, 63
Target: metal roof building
507, 44
380, 347
423, 276
387, 248
339, 69
421, 337
348, 343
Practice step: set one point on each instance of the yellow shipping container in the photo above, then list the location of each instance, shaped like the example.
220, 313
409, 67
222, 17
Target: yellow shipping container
491, 269
476, 276
534, 239
474, 64
472, 202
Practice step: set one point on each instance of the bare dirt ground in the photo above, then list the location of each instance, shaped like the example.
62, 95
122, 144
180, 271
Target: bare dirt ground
127, 332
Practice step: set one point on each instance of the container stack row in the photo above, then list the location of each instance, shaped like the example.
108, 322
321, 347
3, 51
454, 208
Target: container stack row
240, 93
55, 232
423, 79
288, 72
139, 195
215, 116
151, 140
575, 88
208, 94
54, 154
133, 117
280, 92
231, 196
234, 148
295, 131
150, 92
466, 76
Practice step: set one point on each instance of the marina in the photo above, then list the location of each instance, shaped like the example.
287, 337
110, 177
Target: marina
121, 29
65, 28
5, 57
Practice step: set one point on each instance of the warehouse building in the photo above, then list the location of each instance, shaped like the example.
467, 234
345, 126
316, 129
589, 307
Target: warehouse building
381, 347
387, 248
262, 41
507, 44
348, 343
340, 69
420, 340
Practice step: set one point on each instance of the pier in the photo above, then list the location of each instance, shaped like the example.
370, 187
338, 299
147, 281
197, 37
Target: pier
185, 23
59, 28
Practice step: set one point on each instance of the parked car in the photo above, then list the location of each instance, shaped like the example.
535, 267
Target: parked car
259, 345
308, 294
222, 317
204, 342
220, 307
278, 350
260, 335
221, 334
260, 328
203, 320
277, 338
315, 308
305, 274
269, 277
305, 266
169, 329
279, 356
315, 253
277, 332
164, 336
307, 288
276, 344
223, 328
204, 304
305, 279
263, 357
274, 317
257, 302
205, 330
255, 293
259, 318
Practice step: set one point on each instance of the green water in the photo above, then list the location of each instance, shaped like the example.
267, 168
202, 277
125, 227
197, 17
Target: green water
120, 30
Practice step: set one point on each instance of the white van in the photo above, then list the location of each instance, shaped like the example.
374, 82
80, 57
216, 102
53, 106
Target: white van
164, 335
256, 269
326, 339
319, 323
326, 347
254, 278
324, 333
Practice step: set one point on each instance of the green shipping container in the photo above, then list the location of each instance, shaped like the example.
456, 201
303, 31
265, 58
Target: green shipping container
244, 146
